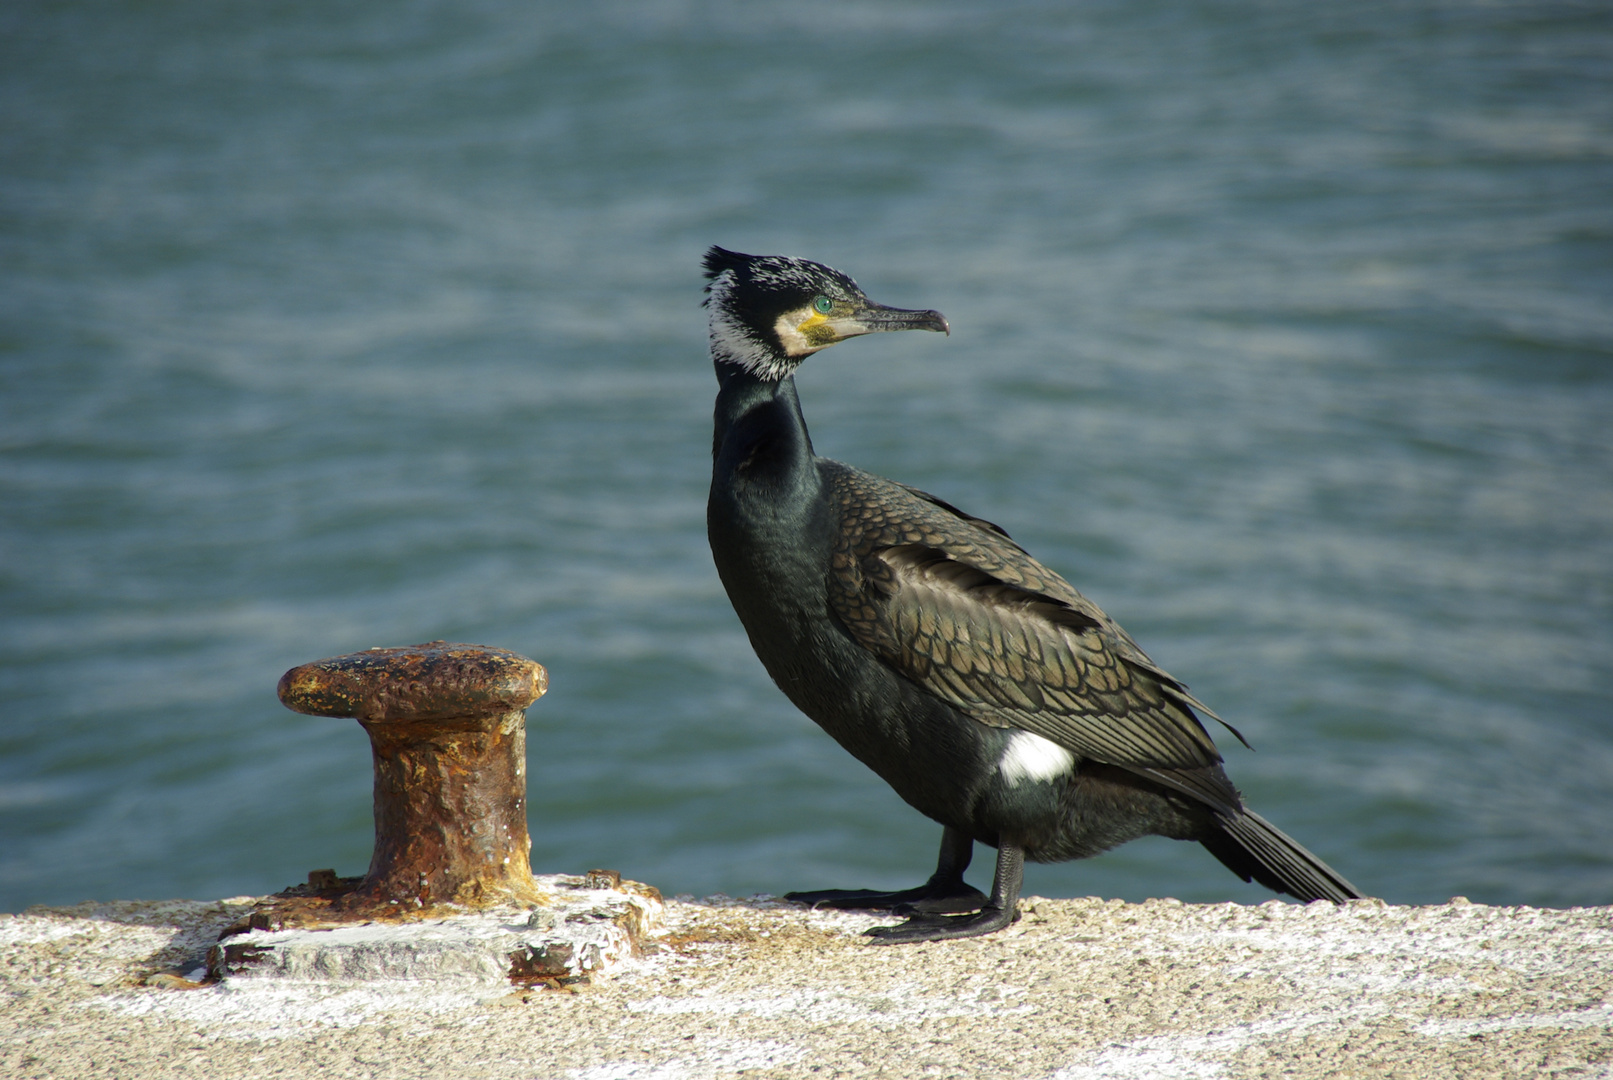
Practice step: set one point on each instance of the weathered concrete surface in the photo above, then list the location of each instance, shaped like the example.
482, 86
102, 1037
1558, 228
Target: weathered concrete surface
578, 928
1077, 989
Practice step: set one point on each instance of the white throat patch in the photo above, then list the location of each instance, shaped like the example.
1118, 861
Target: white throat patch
1031, 757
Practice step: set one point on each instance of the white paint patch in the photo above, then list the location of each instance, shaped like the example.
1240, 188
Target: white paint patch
262, 1010
1031, 757
1193, 1057
1433, 951
38, 930
901, 1003
1599, 1016
713, 1059
1139, 1062
1351, 975
1205, 1057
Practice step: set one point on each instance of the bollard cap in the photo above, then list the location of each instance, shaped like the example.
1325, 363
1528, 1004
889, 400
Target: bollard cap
436, 680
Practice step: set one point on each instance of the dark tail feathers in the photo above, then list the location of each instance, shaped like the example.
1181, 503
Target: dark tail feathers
1256, 850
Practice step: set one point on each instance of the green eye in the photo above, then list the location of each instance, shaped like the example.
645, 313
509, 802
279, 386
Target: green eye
822, 305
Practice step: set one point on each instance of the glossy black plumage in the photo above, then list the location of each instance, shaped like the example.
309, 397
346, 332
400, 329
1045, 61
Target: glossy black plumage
988, 692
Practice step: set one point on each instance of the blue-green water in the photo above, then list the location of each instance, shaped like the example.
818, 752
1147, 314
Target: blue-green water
1284, 331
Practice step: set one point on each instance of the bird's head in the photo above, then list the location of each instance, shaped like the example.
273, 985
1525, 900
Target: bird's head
770, 312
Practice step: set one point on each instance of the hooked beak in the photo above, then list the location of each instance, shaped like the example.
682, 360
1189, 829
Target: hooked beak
876, 318
816, 331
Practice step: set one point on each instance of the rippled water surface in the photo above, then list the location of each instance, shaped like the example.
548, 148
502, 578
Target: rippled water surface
1284, 333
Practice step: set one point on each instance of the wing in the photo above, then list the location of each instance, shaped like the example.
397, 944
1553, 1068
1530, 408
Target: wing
957, 607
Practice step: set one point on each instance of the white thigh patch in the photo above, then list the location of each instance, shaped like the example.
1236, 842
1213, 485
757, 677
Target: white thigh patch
1031, 757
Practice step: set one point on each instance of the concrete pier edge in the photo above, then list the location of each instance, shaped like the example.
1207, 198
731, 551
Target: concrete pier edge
1079, 988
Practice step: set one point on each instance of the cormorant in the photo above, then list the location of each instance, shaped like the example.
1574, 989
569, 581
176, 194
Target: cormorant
988, 692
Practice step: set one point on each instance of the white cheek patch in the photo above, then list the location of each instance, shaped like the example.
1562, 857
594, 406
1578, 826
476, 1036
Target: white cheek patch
1031, 757
788, 329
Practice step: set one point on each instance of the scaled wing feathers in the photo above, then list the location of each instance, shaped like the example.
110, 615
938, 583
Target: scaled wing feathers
967, 614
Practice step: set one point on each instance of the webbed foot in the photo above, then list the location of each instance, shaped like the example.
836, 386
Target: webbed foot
945, 906
944, 927
931, 898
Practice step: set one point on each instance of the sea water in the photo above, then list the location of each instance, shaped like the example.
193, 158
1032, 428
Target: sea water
1283, 331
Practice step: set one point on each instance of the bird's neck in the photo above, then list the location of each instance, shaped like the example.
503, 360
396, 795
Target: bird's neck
759, 430
766, 516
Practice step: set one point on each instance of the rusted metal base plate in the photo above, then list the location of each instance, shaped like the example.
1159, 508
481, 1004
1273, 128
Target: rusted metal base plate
590, 925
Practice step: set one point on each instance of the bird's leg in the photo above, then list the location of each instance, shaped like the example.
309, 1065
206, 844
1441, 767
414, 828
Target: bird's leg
1000, 911
946, 891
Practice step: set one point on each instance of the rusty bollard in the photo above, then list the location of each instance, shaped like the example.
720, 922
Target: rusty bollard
447, 727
